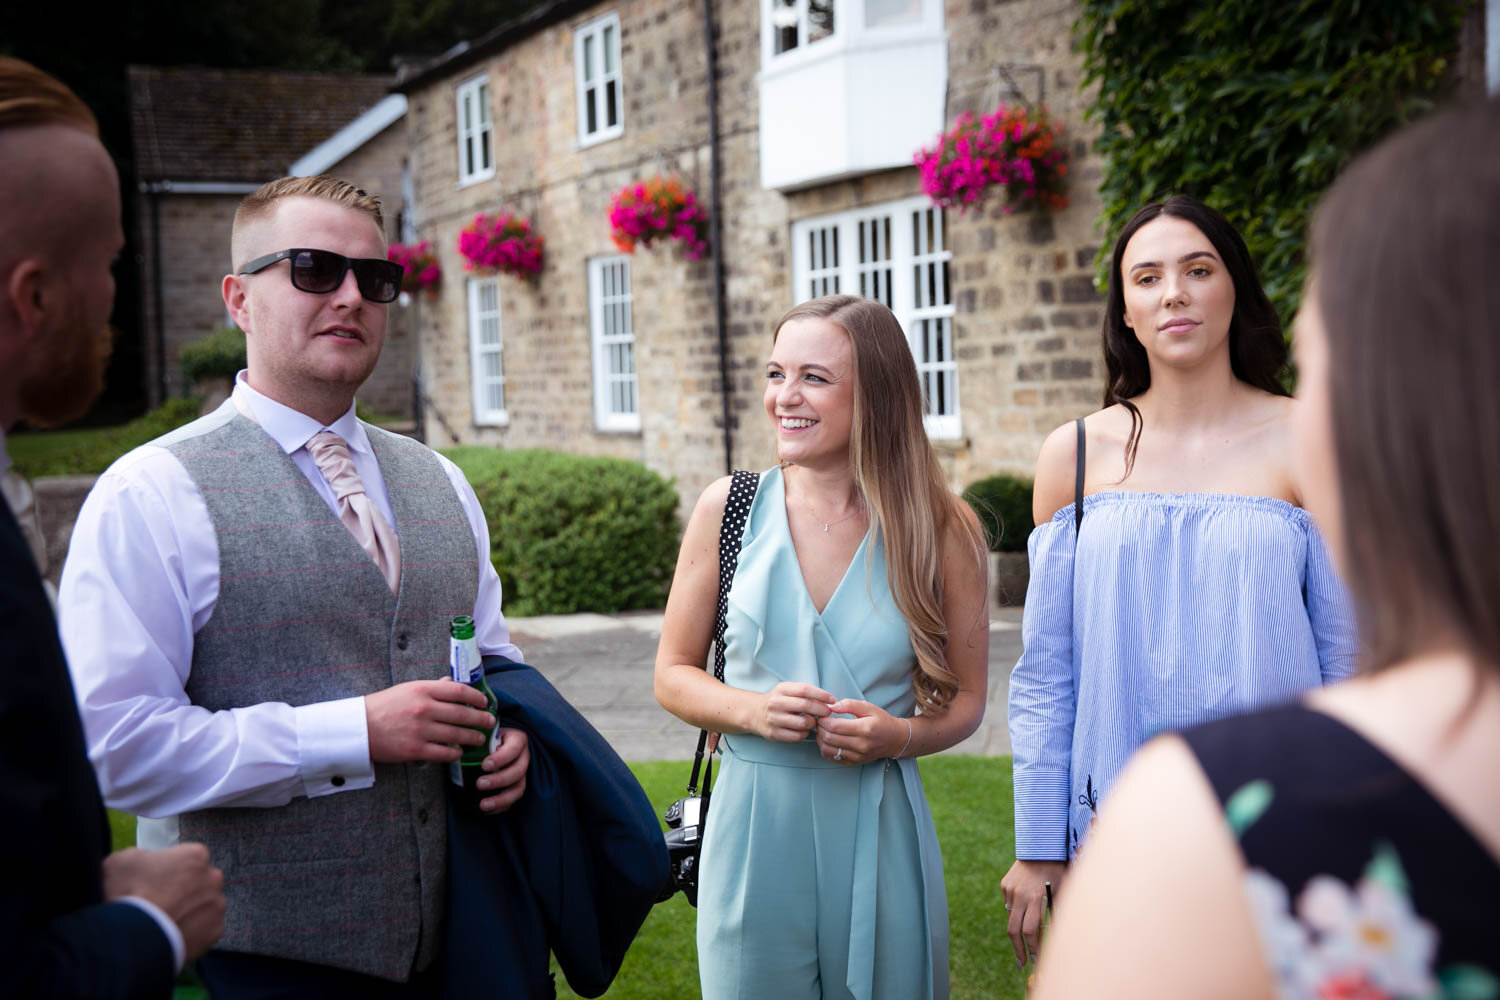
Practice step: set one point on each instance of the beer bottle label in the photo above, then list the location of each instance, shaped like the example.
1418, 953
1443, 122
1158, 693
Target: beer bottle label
463, 660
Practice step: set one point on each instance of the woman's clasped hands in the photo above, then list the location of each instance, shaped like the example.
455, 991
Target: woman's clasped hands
847, 730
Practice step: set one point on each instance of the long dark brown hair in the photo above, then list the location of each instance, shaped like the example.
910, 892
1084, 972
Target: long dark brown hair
1257, 348
1406, 264
898, 475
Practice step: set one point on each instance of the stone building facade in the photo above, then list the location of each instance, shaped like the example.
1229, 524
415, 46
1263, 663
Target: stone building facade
821, 106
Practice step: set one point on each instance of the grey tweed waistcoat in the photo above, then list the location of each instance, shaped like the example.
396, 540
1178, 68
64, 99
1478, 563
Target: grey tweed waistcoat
354, 879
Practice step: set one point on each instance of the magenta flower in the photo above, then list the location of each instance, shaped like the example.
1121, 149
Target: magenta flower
1008, 148
658, 209
505, 242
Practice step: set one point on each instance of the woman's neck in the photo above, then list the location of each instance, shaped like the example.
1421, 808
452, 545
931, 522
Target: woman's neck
1196, 399
830, 491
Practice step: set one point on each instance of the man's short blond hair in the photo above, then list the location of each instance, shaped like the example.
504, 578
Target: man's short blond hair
262, 201
30, 97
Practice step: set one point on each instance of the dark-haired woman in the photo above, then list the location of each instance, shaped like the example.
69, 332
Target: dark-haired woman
1349, 845
1189, 583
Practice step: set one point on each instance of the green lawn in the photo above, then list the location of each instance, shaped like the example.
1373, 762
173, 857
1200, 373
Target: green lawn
89, 451
970, 798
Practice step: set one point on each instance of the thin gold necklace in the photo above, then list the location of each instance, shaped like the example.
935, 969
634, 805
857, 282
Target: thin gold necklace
858, 509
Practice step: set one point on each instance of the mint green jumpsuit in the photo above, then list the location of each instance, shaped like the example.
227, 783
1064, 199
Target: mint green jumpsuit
818, 879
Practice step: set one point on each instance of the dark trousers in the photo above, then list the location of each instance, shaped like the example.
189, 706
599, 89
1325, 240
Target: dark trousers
233, 975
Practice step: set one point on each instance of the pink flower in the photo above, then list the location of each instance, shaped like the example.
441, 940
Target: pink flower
1006, 148
506, 243
658, 209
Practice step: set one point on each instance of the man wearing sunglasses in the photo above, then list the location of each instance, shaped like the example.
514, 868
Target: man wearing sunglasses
257, 606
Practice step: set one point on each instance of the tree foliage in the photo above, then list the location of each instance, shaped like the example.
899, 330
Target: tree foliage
1254, 107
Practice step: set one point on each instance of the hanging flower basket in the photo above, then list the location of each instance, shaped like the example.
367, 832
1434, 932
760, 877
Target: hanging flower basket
420, 271
503, 242
658, 209
1011, 148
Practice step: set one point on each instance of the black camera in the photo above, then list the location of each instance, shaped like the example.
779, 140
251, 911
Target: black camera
684, 820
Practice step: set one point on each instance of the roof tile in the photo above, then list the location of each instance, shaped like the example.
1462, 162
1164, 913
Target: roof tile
193, 124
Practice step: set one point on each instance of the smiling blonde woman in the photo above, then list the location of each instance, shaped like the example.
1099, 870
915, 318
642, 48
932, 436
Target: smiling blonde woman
857, 641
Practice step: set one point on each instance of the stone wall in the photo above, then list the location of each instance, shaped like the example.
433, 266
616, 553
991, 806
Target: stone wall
1026, 330
1028, 323
195, 253
376, 167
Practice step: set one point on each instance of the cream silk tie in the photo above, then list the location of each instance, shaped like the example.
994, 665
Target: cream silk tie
359, 515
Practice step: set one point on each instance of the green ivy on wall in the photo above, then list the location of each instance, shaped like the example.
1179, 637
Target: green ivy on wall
1254, 106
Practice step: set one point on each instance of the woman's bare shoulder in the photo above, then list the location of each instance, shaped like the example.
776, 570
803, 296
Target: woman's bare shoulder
1057, 464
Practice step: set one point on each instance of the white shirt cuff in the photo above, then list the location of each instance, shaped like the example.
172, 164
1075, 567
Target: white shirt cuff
168, 927
333, 747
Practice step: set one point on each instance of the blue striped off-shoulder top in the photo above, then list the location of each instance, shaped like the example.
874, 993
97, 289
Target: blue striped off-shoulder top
1171, 610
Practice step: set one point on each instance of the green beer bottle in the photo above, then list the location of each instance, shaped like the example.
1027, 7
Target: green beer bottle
464, 666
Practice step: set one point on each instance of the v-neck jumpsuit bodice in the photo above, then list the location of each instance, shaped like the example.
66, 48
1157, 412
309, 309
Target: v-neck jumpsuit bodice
807, 857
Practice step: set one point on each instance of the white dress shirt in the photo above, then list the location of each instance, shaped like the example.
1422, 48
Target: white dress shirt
141, 578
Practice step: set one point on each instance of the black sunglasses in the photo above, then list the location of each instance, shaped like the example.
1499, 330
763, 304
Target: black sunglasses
322, 271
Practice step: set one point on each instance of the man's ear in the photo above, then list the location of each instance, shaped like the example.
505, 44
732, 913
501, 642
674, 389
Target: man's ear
31, 295
235, 300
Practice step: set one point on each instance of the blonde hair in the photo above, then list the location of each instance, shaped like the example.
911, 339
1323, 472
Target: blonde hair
30, 97
261, 202
897, 474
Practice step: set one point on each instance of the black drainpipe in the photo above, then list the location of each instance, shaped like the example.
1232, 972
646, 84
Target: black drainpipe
158, 394
716, 226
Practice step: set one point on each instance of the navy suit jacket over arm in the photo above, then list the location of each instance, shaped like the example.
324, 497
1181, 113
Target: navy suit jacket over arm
573, 868
58, 938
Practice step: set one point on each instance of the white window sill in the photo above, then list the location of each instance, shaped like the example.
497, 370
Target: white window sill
617, 424
473, 179
603, 135
497, 418
944, 428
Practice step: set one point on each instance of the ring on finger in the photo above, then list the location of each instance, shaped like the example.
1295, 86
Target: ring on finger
838, 754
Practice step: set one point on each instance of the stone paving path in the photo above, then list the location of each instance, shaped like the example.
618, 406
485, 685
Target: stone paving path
602, 664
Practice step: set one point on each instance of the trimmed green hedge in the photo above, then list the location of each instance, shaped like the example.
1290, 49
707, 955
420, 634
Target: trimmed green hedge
1003, 504
573, 533
219, 354
1254, 107
90, 451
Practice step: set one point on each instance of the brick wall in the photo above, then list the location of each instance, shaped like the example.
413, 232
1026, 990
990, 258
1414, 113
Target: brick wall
195, 256
1026, 330
376, 167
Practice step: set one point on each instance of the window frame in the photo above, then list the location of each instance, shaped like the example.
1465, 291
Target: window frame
768, 30
477, 90
606, 418
479, 382
595, 29
829, 265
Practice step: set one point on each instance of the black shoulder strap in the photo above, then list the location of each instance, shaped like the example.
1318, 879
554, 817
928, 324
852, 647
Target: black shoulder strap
1078, 483
742, 487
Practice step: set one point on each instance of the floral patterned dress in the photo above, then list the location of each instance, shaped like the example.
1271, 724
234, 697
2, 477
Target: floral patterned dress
1362, 885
